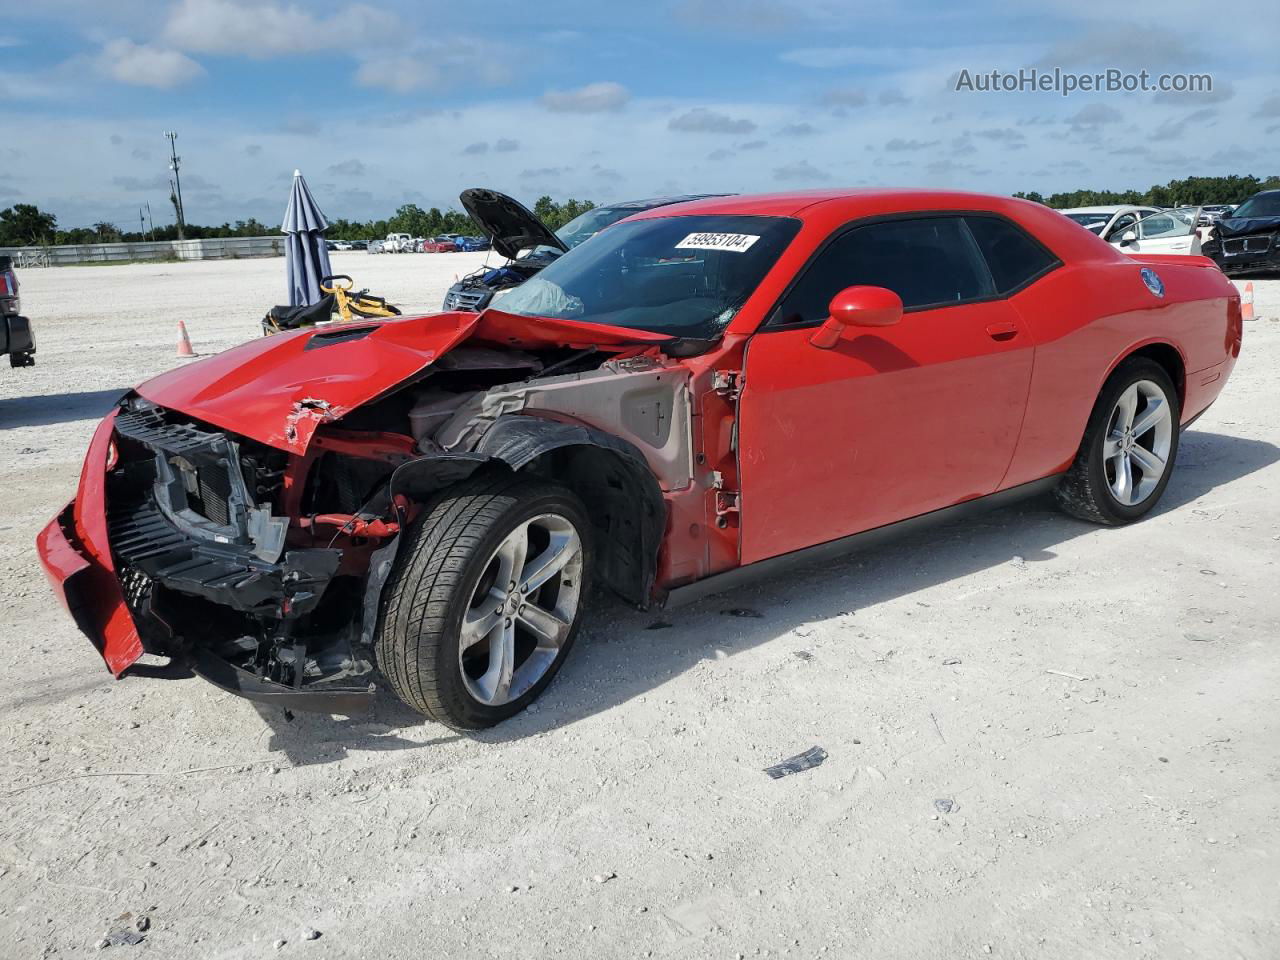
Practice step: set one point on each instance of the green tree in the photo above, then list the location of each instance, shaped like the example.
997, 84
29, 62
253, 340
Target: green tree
25, 223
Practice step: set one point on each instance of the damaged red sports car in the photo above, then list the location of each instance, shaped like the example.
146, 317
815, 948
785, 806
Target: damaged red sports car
699, 394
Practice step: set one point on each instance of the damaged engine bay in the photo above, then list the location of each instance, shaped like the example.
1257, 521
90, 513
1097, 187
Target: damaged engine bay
264, 568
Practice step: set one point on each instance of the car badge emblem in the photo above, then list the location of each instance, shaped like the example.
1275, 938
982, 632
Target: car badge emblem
1153, 281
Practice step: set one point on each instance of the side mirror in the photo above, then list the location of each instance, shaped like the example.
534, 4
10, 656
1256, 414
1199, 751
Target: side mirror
857, 307
1128, 237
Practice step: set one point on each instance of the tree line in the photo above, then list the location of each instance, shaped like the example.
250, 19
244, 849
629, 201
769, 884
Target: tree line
1189, 192
25, 224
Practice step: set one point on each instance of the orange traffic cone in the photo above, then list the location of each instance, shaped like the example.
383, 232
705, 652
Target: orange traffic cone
184, 341
1246, 302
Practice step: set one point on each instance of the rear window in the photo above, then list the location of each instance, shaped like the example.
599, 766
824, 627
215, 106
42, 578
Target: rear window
1015, 259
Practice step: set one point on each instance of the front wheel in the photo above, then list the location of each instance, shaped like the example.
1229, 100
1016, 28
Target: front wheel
486, 600
1126, 458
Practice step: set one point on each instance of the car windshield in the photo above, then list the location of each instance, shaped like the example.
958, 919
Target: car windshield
590, 223
1259, 205
1091, 221
683, 276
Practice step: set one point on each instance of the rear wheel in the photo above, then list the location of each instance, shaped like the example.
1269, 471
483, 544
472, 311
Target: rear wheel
486, 601
1127, 455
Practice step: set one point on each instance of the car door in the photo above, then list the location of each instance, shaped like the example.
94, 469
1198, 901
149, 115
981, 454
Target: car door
893, 421
1166, 232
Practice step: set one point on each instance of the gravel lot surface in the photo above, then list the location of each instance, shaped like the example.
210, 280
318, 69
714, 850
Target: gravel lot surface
1044, 739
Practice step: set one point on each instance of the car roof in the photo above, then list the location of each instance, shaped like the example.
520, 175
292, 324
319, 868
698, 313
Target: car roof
1109, 208
852, 202
649, 204
822, 211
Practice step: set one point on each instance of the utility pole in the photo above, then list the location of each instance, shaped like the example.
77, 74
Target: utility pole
177, 181
151, 223
142, 224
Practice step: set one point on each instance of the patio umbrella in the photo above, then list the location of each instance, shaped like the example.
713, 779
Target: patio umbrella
306, 257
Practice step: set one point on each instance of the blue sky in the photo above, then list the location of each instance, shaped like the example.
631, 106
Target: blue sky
382, 102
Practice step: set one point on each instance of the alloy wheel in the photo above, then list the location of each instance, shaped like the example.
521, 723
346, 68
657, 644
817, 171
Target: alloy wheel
1136, 447
522, 609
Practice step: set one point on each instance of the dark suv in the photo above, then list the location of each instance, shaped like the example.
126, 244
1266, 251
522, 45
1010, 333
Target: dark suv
1248, 239
19, 342
513, 229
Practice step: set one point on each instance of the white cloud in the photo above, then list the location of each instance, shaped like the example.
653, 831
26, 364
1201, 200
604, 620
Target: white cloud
347, 168
800, 172
399, 74
261, 30
702, 120
848, 97
593, 98
1095, 115
142, 65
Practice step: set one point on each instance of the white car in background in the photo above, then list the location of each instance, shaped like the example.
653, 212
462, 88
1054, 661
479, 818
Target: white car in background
1142, 229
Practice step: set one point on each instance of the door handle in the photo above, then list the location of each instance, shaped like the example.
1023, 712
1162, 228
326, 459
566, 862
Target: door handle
1004, 330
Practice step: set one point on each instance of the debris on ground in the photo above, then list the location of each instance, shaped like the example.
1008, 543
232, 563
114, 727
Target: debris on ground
121, 938
801, 762
1069, 676
659, 625
950, 661
946, 805
802, 654
604, 877
745, 612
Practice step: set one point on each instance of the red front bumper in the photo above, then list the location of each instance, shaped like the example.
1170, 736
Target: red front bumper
77, 560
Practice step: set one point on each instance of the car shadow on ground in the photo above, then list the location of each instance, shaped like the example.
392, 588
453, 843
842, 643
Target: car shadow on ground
41, 411
628, 658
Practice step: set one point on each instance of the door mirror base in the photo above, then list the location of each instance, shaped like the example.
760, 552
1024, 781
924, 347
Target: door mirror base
855, 307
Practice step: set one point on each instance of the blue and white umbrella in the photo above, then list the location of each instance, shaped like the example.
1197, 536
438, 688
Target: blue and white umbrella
306, 257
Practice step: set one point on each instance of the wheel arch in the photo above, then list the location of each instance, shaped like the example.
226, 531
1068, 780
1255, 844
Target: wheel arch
613, 480
1167, 355
610, 475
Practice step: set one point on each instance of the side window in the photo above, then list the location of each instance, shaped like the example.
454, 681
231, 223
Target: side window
1161, 225
1013, 256
928, 262
1120, 226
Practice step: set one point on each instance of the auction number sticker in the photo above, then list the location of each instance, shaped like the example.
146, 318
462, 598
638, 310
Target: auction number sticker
735, 242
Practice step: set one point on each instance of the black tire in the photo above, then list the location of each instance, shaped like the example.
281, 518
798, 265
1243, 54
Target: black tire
445, 554
22, 360
1084, 490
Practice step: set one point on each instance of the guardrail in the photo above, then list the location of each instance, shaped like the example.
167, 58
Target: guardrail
214, 248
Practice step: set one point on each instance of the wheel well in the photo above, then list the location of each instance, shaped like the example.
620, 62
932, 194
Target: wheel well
626, 509
1168, 357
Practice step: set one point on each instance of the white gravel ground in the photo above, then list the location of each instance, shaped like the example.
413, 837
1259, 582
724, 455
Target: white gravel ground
1097, 707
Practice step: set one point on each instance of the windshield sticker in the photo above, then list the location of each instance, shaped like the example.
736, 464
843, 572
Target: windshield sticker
735, 242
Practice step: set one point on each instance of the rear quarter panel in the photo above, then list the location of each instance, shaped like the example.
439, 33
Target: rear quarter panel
1087, 317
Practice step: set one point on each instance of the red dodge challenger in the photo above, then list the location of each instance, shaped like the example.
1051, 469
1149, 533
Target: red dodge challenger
700, 394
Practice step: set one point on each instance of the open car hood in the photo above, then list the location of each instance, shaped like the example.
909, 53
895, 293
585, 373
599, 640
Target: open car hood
278, 390
508, 223
1242, 226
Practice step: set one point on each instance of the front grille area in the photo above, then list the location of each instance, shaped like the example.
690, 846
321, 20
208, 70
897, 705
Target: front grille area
200, 459
474, 298
1240, 246
213, 485
145, 543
